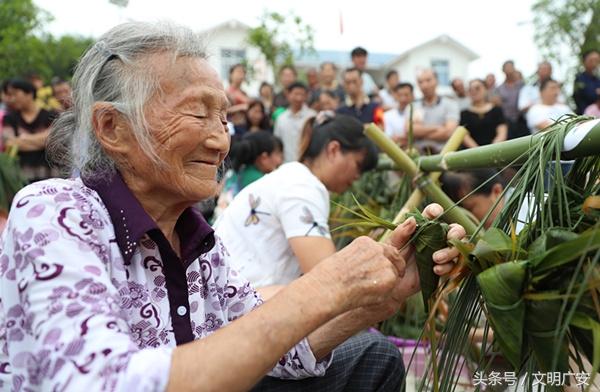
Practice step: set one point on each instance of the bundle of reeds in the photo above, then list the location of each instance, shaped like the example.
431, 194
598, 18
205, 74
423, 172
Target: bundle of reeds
534, 275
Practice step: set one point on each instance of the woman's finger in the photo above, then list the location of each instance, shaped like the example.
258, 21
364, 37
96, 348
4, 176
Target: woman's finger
445, 255
402, 233
432, 211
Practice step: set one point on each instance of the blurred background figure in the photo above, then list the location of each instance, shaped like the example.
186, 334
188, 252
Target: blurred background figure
587, 84
530, 93
507, 96
257, 118
543, 114
359, 56
386, 95
396, 119
435, 116
328, 78
27, 127
484, 121
237, 76
61, 90
328, 100
43, 93
266, 96
460, 94
288, 126
287, 75
357, 104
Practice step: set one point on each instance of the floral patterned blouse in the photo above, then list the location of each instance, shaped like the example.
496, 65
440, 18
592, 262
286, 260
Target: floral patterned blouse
93, 297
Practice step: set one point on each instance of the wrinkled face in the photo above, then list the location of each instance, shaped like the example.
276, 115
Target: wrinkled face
328, 74
550, 93
328, 103
296, 97
352, 83
360, 62
346, 168
403, 96
427, 83
62, 92
287, 77
477, 91
18, 99
255, 115
187, 122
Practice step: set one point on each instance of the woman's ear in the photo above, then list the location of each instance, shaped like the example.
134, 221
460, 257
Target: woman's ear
497, 190
111, 129
333, 148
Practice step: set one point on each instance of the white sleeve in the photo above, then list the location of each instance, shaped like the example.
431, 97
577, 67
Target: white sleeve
303, 210
62, 314
535, 115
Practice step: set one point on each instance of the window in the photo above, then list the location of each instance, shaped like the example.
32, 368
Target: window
442, 69
229, 58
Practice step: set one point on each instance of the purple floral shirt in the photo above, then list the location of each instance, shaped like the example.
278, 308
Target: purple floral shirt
92, 296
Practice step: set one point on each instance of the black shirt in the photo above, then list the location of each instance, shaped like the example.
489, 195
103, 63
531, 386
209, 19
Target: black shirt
482, 126
42, 122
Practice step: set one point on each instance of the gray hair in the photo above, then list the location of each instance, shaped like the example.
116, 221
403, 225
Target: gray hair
115, 70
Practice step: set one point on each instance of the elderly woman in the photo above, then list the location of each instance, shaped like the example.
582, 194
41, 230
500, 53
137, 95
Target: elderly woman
112, 281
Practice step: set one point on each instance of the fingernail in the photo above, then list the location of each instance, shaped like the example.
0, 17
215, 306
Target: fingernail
410, 221
440, 255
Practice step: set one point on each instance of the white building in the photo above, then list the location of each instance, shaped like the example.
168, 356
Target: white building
448, 57
227, 45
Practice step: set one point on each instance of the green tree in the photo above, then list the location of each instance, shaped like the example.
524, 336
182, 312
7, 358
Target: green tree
278, 37
571, 25
24, 47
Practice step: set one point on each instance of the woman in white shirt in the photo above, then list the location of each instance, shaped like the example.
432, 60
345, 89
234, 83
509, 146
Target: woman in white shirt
277, 227
543, 114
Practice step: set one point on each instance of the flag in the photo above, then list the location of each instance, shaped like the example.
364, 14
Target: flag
341, 23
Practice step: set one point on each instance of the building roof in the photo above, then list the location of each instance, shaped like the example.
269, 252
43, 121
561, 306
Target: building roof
341, 58
229, 24
441, 39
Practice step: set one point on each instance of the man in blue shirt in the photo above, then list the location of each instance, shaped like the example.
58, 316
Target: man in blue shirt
587, 84
357, 104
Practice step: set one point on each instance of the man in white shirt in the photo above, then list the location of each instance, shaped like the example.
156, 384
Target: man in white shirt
543, 114
394, 119
288, 126
530, 93
359, 60
387, 94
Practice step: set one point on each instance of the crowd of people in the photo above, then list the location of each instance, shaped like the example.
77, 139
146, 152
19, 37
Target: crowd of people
491, 112
111, 279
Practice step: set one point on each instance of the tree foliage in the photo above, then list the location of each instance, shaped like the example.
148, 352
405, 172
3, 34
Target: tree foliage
570, 24
278, 37
25, 48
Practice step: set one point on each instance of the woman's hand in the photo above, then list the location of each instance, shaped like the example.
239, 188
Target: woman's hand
444, 258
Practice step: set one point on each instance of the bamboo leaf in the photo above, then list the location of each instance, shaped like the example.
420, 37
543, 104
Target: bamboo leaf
502, 287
